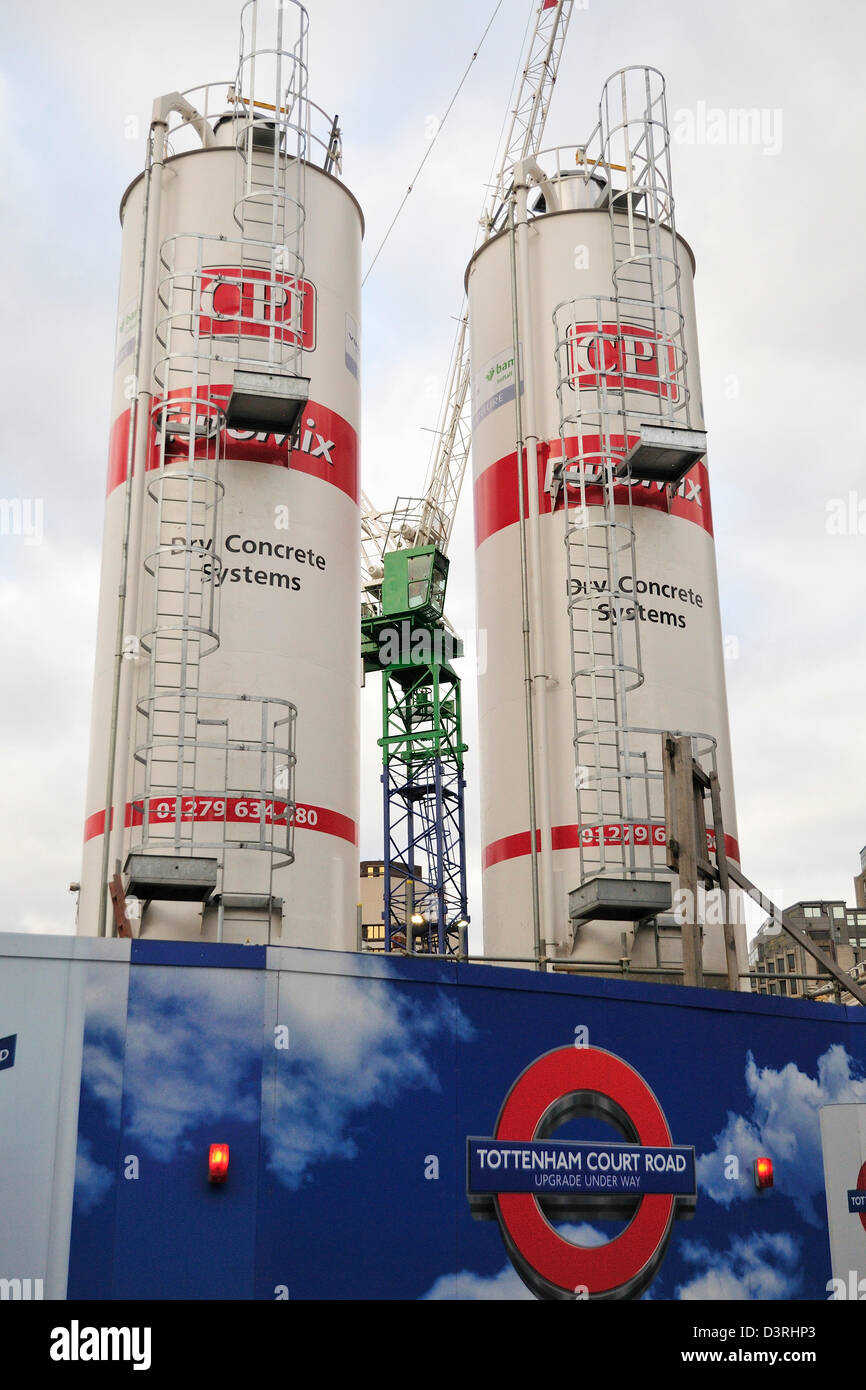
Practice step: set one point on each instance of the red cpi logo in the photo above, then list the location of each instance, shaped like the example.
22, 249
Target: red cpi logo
255, 303
639, 360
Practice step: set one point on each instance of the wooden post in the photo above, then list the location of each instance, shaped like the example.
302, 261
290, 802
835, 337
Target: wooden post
684, 851
118, 901
724, 884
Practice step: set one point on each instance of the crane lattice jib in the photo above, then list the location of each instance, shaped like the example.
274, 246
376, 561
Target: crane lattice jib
529, 113
448, 463
528, 117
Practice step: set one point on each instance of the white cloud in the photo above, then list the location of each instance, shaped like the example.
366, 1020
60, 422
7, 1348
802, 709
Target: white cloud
783, 1123
468, 1287
507, 1284
760, 1266
188, 1055
353, 1043
92, 1180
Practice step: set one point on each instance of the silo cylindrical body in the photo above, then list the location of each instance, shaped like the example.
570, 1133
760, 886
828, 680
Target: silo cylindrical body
288, 538
568, 256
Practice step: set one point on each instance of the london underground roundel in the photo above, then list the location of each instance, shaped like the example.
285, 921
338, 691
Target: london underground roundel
522, 1174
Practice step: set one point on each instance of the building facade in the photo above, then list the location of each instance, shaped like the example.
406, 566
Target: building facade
781, 967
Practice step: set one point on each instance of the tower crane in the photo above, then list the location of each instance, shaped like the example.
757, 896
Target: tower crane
404, 566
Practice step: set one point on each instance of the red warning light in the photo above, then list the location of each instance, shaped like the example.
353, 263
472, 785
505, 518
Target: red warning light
218, 1163
763, 1172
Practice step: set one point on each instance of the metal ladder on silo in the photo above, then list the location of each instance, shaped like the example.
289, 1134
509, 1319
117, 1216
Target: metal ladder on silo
618, 785
208, 762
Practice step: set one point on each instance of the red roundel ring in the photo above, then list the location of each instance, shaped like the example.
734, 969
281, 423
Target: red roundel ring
554, 1265
861, 1187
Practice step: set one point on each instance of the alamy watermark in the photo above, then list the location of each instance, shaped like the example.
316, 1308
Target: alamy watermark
77, 1343
21, 1289
846, 516
22, 517
403, 645
760, 126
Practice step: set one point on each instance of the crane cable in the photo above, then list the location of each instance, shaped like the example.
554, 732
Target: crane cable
433, 141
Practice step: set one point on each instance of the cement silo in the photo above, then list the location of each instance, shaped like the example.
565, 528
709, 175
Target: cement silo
225, 709
597, 593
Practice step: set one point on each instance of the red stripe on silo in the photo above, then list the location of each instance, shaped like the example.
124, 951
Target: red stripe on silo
497, 497
569, 837
328, 429
94, 825
510, 847
237, 812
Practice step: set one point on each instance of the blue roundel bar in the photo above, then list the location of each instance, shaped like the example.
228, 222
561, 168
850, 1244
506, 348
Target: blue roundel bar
554, 1168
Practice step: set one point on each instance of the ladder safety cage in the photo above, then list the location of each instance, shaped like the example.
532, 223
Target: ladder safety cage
271, 131
214, 772
624, 417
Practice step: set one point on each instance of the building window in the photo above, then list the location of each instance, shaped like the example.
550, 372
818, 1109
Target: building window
838, 911
792, 964
783, 986
794, 986
812, 911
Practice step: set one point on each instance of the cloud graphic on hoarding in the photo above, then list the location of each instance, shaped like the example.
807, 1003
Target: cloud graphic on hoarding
193, 1049
101, 1080
760, 1266
193, 1055
353, 1043
507, 1284
467, 1287
782, 1123
92, 1180
104, 1033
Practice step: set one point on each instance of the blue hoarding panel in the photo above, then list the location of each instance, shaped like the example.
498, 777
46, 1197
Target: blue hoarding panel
349, 1091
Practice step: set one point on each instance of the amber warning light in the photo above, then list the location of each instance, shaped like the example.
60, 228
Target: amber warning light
763, 1172
218, 1163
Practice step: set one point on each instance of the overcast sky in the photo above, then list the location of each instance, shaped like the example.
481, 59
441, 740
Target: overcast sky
775, 225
